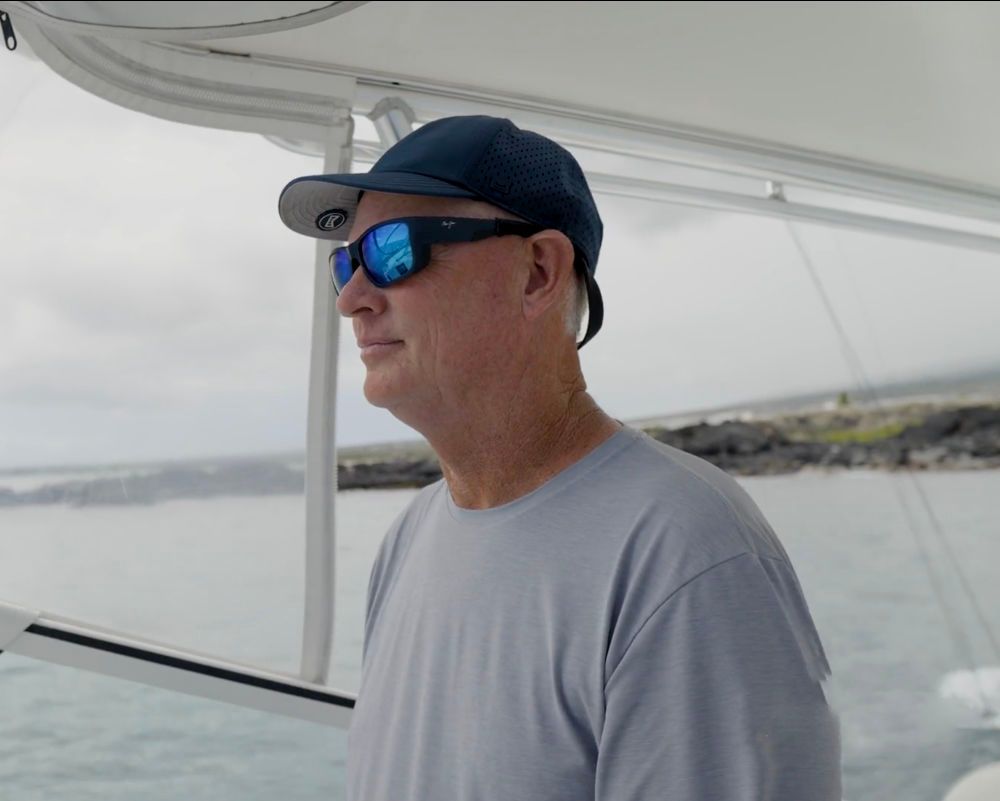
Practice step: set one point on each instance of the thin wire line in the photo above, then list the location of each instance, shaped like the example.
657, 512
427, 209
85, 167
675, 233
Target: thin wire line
961, 641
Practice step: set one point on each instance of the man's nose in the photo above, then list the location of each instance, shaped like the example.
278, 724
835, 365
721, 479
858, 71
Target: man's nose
359, 295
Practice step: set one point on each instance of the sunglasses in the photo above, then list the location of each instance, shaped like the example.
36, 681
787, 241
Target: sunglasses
396, 249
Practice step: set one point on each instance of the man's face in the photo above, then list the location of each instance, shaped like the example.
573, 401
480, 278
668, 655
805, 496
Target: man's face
440, 338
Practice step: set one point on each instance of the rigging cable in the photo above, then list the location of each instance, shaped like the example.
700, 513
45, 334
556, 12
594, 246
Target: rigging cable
961, 641
928, 508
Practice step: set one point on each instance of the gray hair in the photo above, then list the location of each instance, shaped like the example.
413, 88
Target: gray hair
576, 305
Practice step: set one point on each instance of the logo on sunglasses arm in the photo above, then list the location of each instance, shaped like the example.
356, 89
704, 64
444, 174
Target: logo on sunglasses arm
331, 220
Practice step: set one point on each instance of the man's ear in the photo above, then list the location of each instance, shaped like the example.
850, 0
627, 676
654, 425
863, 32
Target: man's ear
552, 257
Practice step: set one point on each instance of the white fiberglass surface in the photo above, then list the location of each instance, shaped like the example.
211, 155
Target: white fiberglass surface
186, 16
895, 84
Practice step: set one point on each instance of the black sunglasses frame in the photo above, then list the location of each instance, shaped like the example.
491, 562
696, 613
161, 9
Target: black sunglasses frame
427, 231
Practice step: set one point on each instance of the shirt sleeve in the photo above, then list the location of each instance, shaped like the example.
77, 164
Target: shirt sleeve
719, 696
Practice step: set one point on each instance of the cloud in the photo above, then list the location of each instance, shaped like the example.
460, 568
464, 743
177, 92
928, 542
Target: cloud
152, 305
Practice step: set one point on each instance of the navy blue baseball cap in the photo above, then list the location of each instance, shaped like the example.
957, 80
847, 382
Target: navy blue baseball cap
477, 157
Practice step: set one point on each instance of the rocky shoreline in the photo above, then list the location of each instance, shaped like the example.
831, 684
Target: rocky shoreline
911, 437
914, 436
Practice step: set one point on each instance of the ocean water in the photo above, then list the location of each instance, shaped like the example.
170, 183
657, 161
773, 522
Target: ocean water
224, 576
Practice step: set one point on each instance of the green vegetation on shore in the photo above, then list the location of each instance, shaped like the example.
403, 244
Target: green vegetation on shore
842, 435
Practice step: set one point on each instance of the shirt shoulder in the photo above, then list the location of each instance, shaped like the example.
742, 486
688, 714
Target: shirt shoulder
700, 499
675, 516
683, 518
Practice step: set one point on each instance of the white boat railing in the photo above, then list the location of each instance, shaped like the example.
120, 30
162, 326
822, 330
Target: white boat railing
51, 638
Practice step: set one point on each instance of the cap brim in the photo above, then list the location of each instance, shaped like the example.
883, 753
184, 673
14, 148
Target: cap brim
595, 308
324, 206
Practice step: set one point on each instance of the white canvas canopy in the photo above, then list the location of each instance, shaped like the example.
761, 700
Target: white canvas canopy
870, 115
888, 99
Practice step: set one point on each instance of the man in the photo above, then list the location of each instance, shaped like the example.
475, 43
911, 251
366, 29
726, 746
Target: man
575, 611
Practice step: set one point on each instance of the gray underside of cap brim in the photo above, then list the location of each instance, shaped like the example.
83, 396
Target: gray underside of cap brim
306, 199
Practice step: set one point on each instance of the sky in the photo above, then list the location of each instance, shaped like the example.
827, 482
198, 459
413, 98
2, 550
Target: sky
153, 306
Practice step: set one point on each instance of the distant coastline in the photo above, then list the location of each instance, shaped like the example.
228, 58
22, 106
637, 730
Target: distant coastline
925, 435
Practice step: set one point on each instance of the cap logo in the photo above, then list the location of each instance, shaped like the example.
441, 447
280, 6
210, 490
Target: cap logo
331, 220
499, 185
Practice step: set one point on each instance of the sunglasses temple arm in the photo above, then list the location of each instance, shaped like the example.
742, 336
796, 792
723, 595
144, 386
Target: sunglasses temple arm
477, 230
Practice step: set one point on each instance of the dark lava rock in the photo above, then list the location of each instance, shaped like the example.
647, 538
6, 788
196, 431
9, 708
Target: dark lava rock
964, 437
970, 421
397, 473
732, 438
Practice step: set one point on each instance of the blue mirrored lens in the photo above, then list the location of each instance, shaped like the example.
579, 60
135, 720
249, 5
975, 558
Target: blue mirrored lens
387, 253
341, 268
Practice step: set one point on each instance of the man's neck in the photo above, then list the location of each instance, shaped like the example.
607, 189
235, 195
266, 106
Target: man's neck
489, 462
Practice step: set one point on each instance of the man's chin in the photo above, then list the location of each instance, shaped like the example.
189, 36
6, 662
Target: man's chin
379, 394
375, 399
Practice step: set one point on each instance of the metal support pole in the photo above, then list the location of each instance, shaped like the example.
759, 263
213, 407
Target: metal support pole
321, 451
393, 120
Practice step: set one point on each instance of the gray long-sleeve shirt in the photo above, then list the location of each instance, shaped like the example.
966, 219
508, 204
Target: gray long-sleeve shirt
632, 629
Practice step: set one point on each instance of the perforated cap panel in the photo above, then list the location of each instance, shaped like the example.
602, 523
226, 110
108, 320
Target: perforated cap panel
535, 178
